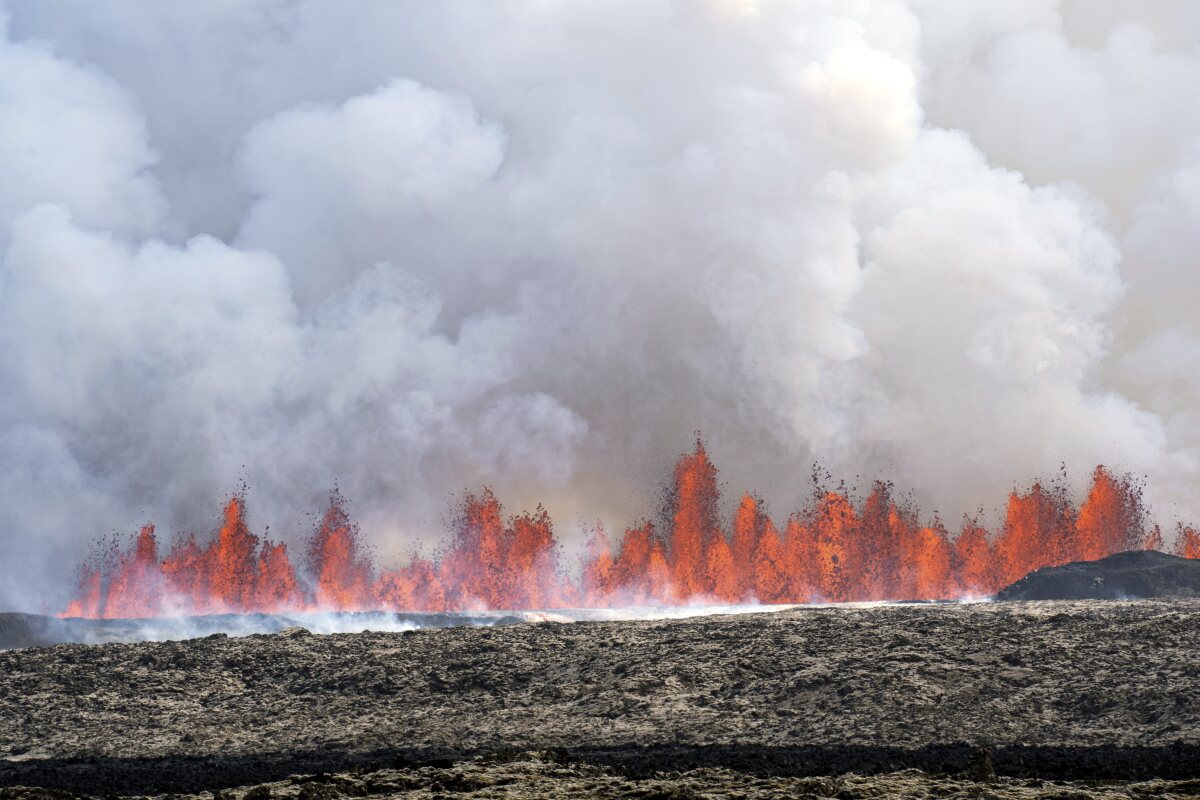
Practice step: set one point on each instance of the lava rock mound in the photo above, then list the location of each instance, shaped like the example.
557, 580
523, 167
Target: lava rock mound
1132, 575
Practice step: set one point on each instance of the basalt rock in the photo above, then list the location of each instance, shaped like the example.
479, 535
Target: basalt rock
1133, 575
760, 704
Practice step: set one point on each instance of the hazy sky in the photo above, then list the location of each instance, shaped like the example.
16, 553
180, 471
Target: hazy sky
417, 247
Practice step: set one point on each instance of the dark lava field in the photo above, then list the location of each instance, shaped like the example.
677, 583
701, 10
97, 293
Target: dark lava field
1026, 699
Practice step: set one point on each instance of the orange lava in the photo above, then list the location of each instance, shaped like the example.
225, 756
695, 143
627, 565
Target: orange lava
833, 550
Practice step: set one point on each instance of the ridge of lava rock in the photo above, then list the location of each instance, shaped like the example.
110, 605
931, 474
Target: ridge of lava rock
1131, 575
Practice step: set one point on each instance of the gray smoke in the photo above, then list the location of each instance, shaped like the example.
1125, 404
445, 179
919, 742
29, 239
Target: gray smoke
417, 247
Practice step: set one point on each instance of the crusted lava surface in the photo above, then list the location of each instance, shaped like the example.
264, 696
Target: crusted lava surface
1039, 691
1121, 576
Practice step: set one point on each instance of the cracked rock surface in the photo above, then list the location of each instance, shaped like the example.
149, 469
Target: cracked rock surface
1068, 690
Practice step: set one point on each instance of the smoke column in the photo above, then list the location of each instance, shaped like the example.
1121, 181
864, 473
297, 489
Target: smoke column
427, 247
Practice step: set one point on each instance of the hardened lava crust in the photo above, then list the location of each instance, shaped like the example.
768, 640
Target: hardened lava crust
810, 702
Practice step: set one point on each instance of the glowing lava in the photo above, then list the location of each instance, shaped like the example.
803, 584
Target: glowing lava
833, 550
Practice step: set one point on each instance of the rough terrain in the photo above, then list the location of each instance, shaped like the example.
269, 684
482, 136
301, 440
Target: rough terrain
38, 630
1051, 690
547, 775
1132, 575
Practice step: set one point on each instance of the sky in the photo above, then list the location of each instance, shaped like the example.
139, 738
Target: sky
415, 248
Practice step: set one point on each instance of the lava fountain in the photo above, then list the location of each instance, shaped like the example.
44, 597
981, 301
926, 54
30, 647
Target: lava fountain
832, 550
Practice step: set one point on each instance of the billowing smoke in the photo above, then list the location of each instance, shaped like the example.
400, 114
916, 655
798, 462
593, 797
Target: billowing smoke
418, 247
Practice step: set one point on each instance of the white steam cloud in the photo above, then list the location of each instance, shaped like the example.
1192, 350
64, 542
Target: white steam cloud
418, 247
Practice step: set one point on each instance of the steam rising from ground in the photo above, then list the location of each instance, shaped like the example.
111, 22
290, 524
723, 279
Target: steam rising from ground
422, 247
26, 631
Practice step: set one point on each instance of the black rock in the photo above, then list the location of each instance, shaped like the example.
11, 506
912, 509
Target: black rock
1132, 575
979, 766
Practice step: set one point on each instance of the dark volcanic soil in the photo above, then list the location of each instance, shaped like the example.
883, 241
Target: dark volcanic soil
1053, 690
1134, 575
550, 775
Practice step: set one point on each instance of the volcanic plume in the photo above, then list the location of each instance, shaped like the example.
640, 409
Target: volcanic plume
834, 549
533, 246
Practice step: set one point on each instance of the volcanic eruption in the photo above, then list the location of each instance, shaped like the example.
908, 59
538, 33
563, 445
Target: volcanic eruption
834, 550
365, 373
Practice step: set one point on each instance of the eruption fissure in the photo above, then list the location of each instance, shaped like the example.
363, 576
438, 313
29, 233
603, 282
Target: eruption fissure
831, 551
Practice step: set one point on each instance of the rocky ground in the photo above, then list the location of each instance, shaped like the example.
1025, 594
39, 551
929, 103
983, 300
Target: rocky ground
542, 775
38, 630
796, 703
1122, 576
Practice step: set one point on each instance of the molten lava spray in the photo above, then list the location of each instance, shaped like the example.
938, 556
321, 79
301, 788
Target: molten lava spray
833, 550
